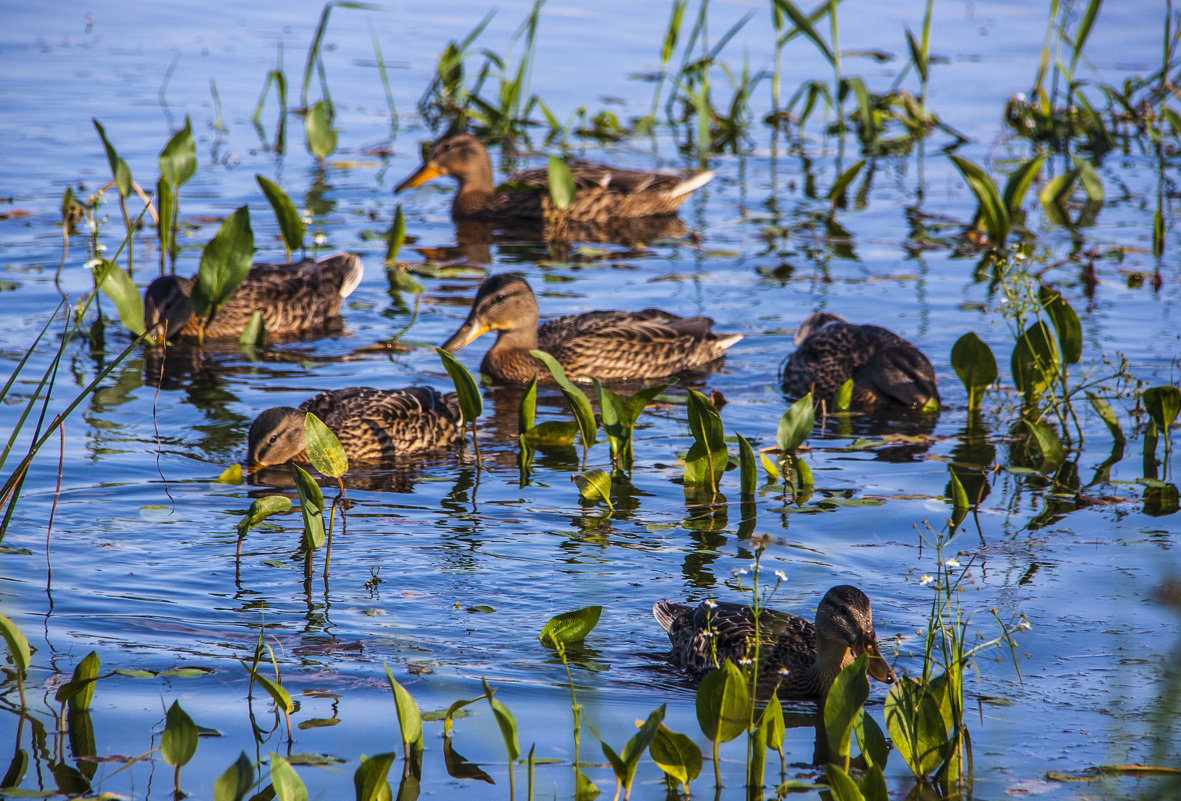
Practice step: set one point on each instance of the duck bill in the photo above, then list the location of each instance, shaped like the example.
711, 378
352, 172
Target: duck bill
467, 333
423, 174
158, 334
877, 666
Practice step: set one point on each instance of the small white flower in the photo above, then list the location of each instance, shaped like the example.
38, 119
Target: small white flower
784, 672
712, 604
739, 571
743, 662
1023, 625
952, 563
90, 265
320, 239
1019, 97
926, 579
99, 247
779, 574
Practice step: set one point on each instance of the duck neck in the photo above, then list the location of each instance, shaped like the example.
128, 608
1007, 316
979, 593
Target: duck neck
475, 187
831, 658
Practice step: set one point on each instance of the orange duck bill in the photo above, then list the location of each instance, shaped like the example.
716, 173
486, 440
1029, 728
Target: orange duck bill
467, 333
420, 176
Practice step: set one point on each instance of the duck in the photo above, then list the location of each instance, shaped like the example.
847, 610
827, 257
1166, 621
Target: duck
373, 425
802, 658
887, 371
607, 345
294, 297
602, 193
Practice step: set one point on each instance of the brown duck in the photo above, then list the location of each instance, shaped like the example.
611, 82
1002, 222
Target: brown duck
885, 368
373, 425
294, 298
608, 345
602, 194
802, 657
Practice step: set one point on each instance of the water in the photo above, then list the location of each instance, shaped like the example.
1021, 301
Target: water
140, 563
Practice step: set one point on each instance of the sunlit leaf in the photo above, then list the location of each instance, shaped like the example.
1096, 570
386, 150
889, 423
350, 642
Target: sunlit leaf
323, 448
409, 715
18, 646
843, 398
471, 402
676, 754
552, 434
235, 783
166, 209
1019, 182
274, 689
1162, 405
254, 334
842, 183
119, 169
225, 262
991, 211
1107, 415
840, 785
1066, 323
291, 225
83, 680
871, 739
595, 485
748, 468
1047, 442
849, 691
973, 362
395, 236
506, 722
561, 184
579, 404
231, 475
288, 786
261, 509
1034, 361
178, 743
959, 496
118, 286
321, 137
569, 627
723, 703
917, 728
178, 159
796, 424
369, 780
311, 506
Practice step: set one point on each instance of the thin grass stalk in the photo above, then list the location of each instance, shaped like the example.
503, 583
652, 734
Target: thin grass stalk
836, 68
385, 81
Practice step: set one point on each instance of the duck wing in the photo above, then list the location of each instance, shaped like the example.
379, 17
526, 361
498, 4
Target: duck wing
377, 425
897, 370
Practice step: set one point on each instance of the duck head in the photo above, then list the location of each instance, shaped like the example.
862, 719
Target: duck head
460, 155
276, 436
844, 631
504, 303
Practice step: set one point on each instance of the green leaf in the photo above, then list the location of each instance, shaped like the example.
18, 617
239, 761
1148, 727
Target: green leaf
772, 720
321, 138
842, 183
254, 335
409, 716
166, 209
527, 411
274, 689
291, 225
1107, 415
552, 434
178, 159
79, 691
748, 468
841, 785
506, 722
843, 398
1090, 180
804, 472
991, 211
871, 740
261, 509
178, 743
973, 362
1054, 195
449, 716
119, 169
224, 263
236, 781
1162, 405
311, 506
324, 449
611, 408
959, 496
569, 627
917, 57
1047, 441
579, 404
561, 184
369, 780
1034, 361
395, 236
796, 424
917, 726
595, 485
848, 693
704, 421
1066, 323
18, 646
471, 402
704, 469
769, 467
118, 286
231, 475
805, 27
1019, 183
676, 754
723, 703
288, 786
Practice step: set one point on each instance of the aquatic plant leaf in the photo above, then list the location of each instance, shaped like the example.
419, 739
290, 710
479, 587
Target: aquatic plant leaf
974, 364
584, 788
1066, 323
459, 768
748, 469
274, 689
676, 754
579, 404
291, 225
1034, 361
843, 398
917, 56
453, 712
772, 720
178, 159
991, 211
262, 508
568, 627
17, 767
506, 722
235, 783
873, 785
324, 449
254, 335
1162, 405
1047, 442
723, 703
595, 485
166, 209
561, 184
320, 135
471, 402
917, 727
81, 683
225, 261
704, 469
871, 739
527, 411
769, 467
1091, 182
286, 782
848, 693
800, 20
14, 640
841, 786
369, 780
178, 743
611, 411
311, 506
796, 424
959, 496
704, 421
231, 475
409, 715
552, 434
395, 236
119, 169
842, 183
803, 472
1107, 415
1019, 182
624, 764
118, 286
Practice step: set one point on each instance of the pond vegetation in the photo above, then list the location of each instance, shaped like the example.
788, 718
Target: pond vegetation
1030, 406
